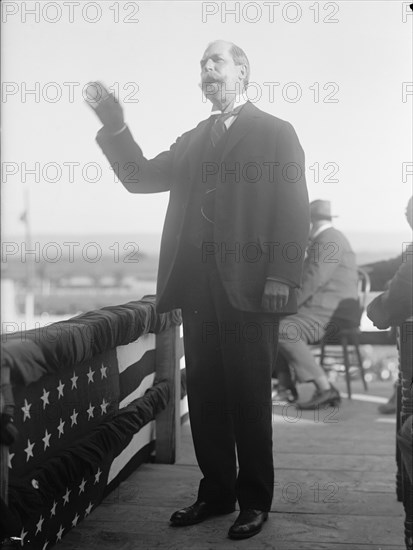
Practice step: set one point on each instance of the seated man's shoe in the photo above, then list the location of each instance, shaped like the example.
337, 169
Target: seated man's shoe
197, 512
387, 408
390, 406
283, 396
321, 398
248, 523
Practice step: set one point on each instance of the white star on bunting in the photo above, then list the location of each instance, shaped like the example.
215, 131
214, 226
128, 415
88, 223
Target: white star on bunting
45, 545
53, 510
90, 411
97, 476
103, 370
59, 534
66, 497
39, 525
90, 375
45, 398
88, 509
46, 439
11, 455
29, 450
74, 380
104, 405
60, 389
75, 520
26, 410
74, 417
82, 486
61, 427
22, 536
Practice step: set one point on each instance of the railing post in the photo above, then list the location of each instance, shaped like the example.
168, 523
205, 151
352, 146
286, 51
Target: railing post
168, 421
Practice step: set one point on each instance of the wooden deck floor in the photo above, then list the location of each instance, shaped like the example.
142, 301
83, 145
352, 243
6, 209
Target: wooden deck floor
334, 490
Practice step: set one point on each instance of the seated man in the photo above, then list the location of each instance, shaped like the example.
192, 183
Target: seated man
328, 299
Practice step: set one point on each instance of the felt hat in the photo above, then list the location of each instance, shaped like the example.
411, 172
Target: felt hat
321, 210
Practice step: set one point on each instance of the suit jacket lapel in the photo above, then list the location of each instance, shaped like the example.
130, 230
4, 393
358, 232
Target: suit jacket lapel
195, 148
241, 126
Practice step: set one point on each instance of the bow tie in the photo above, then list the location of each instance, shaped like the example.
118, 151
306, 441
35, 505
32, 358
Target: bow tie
223, 116
218, 127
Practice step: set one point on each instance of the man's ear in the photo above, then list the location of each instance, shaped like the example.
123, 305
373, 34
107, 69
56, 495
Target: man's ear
243, 72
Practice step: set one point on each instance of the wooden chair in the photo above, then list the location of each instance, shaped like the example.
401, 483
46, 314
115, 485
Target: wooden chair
346, 335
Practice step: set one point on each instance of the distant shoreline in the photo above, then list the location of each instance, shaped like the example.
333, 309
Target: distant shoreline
369, 247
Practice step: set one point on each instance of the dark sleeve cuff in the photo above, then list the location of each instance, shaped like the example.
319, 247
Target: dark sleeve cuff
281, 280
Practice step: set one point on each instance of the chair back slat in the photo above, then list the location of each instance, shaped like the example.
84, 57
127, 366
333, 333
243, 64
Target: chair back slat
363, 286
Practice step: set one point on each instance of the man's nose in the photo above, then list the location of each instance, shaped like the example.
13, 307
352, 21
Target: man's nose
209, 65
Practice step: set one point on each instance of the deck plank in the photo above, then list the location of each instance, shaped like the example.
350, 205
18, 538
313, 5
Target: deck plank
317, 492
335, 490
150, 530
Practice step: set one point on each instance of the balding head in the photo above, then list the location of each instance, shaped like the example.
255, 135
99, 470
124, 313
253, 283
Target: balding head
238, 56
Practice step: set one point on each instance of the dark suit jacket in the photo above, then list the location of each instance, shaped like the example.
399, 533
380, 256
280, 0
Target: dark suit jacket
261, 207
381, 272
329, 290
396, 304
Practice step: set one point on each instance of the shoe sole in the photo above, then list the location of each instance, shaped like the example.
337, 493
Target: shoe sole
331, 403
199, 520
240, 536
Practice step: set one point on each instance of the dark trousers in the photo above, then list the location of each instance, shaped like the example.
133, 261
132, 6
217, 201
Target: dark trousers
229, 357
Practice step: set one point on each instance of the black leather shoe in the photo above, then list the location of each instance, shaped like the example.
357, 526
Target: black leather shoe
389, 407
283, 396
197, 512
248, 523
321, 398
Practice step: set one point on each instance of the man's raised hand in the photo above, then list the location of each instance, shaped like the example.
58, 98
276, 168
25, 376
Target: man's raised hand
106, 106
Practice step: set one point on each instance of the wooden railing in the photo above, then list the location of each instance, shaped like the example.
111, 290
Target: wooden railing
87, 417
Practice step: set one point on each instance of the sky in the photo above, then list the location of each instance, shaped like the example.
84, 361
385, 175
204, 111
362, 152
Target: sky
340, 72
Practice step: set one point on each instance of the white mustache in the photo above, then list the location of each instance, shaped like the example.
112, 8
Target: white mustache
210, 80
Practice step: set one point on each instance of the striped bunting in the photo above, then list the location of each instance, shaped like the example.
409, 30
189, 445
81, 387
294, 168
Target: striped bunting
58, 410
136, 368
132, 353
184, 411
139, 440
76, 440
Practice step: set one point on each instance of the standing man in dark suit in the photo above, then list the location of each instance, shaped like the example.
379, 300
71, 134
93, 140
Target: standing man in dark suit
231, 258
328, 296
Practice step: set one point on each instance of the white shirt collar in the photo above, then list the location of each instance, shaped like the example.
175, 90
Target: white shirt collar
239, 100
